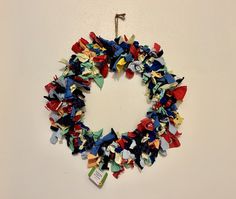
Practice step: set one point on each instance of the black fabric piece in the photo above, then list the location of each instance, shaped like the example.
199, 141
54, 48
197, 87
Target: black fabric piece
53, 128
179, 81
48, 98
77, 103
67, 137
105, 162
59, 88
90, 142
160, 53
65, 121
78, 92
76, 151
137, 152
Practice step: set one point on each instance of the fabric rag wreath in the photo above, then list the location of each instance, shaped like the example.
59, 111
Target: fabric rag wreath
115, 151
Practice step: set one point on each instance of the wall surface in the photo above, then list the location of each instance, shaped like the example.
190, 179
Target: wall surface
198, 38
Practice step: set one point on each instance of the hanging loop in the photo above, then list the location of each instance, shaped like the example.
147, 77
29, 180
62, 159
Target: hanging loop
117, 17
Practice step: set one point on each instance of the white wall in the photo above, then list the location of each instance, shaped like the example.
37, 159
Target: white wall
198, 38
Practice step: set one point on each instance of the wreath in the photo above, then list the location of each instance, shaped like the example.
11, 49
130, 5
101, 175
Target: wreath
156, 133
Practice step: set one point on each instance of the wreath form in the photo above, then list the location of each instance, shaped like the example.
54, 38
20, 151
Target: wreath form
91, 62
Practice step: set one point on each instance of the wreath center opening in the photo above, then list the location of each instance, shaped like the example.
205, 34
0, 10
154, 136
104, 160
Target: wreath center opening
120, 104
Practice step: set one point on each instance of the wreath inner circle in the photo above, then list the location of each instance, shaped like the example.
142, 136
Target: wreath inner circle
121, 104
91, 62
